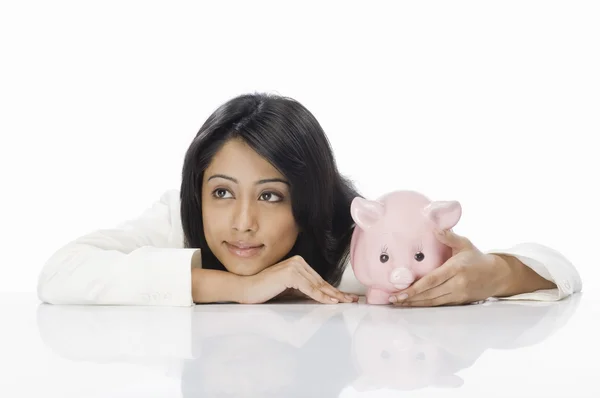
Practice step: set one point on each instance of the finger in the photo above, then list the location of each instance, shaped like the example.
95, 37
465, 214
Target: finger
304, 265
437, 291
318, 280
353, 296
314, 292
344, 297
325, 287
429, 281
452, 240
444, 299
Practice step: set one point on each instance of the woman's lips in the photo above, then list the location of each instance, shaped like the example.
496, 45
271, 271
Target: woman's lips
245, 252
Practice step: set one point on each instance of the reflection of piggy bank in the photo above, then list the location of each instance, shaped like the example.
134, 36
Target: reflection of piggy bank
388, 352
393, 244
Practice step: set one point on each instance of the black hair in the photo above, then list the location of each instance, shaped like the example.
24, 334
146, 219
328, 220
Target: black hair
288, 136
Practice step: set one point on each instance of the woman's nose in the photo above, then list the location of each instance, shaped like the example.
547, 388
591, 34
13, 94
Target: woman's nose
244, 218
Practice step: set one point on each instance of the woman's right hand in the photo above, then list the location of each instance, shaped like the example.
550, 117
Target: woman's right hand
293, 273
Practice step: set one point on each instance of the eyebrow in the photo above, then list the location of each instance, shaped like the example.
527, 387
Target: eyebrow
264, 181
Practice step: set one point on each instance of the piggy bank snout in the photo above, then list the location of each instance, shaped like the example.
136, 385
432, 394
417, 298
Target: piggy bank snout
401, 278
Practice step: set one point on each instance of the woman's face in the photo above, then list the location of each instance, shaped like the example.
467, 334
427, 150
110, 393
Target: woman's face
246, 210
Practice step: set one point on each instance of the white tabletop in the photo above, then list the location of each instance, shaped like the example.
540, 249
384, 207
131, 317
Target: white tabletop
496, 349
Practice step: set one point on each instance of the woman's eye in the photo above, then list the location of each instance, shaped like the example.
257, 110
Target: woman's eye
267, 196
220, 193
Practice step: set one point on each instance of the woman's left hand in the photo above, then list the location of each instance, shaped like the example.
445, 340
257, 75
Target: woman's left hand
468, 276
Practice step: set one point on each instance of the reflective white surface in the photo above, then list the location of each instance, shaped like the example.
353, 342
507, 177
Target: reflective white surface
496, 349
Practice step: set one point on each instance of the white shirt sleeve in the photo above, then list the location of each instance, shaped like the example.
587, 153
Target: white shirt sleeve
132, 264
549, 264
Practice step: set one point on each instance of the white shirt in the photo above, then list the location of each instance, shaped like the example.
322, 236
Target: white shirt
143, 262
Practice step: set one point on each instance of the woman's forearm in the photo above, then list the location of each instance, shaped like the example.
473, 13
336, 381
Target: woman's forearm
520, 278
210, 286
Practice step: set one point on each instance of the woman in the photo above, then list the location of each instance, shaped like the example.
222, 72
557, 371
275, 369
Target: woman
263, 201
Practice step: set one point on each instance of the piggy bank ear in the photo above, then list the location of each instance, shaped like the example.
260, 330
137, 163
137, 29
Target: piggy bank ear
365, 213
444, 214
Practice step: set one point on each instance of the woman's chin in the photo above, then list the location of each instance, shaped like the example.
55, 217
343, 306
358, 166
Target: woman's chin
243, 268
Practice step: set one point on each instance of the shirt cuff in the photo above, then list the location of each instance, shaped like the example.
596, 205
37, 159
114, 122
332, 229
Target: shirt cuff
165, 273
146, 276
549, 264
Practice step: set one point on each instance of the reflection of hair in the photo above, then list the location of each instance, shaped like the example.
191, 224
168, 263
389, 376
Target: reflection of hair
321, 367
286, 134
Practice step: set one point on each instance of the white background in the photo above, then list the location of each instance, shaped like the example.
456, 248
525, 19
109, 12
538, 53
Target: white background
494, 104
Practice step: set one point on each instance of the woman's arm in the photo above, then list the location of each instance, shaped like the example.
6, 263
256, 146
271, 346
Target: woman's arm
537, 272
210, 286
139, 262
521, 279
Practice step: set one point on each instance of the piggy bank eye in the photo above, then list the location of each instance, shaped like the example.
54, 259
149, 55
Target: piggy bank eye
419, 256
383, 258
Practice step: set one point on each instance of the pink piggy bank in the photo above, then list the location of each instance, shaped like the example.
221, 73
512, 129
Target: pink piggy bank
393, 244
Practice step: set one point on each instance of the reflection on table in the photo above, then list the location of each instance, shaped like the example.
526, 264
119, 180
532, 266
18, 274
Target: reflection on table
302, 348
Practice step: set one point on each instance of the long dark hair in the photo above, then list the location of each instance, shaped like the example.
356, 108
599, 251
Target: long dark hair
287, 135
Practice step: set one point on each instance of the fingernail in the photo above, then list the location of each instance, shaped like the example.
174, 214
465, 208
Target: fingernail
403, 296
334, 300
393, 299
348, 297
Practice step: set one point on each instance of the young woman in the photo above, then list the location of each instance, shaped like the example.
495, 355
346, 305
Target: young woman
263, 211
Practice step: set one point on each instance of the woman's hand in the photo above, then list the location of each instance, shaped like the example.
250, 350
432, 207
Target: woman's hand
293, 273
468, 276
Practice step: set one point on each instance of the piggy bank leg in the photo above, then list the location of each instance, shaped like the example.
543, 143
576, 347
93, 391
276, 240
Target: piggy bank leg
376, 296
